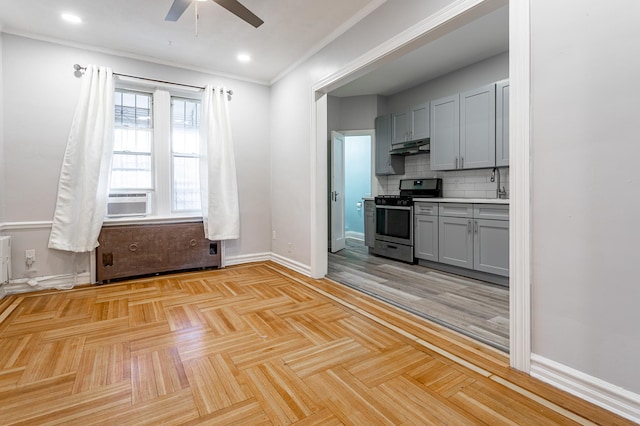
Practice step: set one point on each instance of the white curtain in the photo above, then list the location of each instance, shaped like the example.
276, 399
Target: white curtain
218, 181
84, 178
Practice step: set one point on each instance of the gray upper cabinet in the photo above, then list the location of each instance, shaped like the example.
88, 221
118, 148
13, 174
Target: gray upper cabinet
463, 130
386, 164
445, 133
419, 116
502, 123
411, 125
478, 128
400, 127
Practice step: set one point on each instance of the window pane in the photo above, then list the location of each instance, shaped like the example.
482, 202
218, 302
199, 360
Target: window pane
131, 171
185, 122
186, 183
132, 109
132, 139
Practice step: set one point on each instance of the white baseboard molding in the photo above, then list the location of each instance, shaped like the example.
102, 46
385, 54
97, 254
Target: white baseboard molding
291, 264
58, 282
247, 258
354, 235
603, 394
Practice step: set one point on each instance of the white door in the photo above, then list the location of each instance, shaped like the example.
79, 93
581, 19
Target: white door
337, 192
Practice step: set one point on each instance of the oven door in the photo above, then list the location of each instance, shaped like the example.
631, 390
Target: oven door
394, 224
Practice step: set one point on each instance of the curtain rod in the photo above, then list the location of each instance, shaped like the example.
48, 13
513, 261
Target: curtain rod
81, 68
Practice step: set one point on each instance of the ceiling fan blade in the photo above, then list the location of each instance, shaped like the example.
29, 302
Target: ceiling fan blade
177, 9
240, 11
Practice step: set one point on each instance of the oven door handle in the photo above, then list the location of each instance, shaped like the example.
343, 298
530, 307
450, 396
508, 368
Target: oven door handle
393, 207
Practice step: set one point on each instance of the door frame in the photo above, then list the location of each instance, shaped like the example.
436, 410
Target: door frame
448, 19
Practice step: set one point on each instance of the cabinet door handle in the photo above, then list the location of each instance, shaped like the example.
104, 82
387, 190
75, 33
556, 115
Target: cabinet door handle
456, 162
133, 247
462, 162
476, 226
469, 227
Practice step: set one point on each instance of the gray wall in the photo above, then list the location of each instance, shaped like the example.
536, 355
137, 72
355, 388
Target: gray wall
585, 150
40, 93
475, 75
291, 118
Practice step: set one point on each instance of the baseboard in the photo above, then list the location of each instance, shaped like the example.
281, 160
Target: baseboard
354, 235
247, 258
291, 264
58, 282
589, 388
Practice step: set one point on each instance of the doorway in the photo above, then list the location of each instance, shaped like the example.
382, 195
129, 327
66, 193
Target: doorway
520, 218
351, 182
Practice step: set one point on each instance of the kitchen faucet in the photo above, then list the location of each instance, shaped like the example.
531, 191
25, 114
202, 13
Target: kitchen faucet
500, 193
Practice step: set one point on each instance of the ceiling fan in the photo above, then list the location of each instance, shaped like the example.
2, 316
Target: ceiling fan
179, 6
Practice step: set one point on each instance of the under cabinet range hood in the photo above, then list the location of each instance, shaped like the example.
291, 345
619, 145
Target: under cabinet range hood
411, 148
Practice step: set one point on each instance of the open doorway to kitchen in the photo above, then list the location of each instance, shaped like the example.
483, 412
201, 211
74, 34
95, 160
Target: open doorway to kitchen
351, 157
514, 319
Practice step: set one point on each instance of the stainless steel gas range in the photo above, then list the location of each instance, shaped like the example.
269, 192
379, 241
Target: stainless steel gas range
394, 217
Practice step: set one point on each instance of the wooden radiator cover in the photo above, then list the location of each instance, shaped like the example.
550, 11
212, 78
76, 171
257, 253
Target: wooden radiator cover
132, 250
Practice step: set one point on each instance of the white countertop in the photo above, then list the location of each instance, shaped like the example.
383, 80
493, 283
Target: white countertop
465, 200
457, 200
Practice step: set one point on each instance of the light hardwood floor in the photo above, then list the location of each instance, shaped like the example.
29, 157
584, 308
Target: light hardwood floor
475, 308
253, 344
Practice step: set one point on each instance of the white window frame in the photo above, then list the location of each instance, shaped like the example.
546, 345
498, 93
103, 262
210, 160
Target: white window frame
162, 159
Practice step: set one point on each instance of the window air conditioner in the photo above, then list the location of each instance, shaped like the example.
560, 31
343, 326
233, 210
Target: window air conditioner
132, 204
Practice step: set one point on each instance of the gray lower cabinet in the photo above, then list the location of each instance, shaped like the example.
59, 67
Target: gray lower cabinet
426, 231
456, 241
386, 164
369, 223
491, 246
474, 236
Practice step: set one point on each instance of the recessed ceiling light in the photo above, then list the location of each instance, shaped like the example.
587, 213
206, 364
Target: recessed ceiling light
70, 17
243, 57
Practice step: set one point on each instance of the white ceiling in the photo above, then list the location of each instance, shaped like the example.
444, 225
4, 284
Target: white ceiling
481, 39
292, 29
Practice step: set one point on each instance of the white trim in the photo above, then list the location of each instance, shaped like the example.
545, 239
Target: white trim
291, 264
362, 13
59, 282
355, 235
319, 226
520, 185
589, 388
247, 258
43, 224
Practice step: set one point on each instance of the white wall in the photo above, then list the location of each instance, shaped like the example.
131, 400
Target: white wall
291, 134
585, 151
40, 92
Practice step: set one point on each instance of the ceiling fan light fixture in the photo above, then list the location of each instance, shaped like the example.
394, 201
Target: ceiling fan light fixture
71, 18
243, 57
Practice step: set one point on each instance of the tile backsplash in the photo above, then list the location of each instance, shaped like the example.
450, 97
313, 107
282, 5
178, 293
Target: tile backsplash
456, 184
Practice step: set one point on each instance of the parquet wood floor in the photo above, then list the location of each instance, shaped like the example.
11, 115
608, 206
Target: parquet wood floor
253, 344
472, 307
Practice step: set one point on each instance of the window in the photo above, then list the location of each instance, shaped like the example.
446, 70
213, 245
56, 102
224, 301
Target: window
133, 136
185, 149
156, 149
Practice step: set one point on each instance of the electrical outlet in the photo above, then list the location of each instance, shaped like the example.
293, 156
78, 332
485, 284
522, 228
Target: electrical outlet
273, 234
289, 247
30, 257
